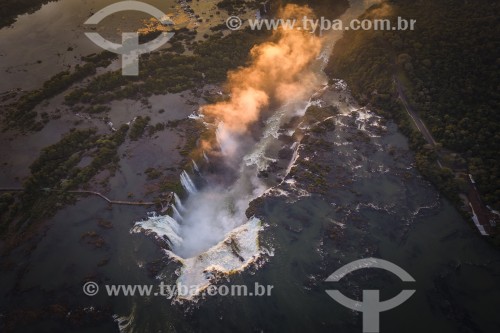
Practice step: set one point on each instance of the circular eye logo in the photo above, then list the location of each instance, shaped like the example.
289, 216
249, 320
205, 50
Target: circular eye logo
130, 49
371, 306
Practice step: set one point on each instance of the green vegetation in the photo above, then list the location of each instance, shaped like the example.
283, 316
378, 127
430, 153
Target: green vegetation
233, 7
57, 170
167, 72
332, 7
236, 7
170, 183
6, 199
55, 162
194, 131
10, 9
105, 224
94, 239
153, 173
98, 109
317, 117
316, 113
156, 128
313, 174
326, 8
138, 127
448, 67
313, 171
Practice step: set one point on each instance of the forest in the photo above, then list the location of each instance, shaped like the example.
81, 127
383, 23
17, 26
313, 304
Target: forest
169, 72
21, 114
10, 9
449, 69
58, 169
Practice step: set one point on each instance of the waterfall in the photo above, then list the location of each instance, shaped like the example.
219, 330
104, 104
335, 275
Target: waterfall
178, 203
195, 167
176, 215
187, 183
163, 226
171, 228
295, 147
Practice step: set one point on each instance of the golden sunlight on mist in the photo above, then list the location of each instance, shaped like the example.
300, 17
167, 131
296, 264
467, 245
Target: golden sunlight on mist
279, 71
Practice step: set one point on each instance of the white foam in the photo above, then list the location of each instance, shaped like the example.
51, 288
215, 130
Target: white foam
163, 226
239, 249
